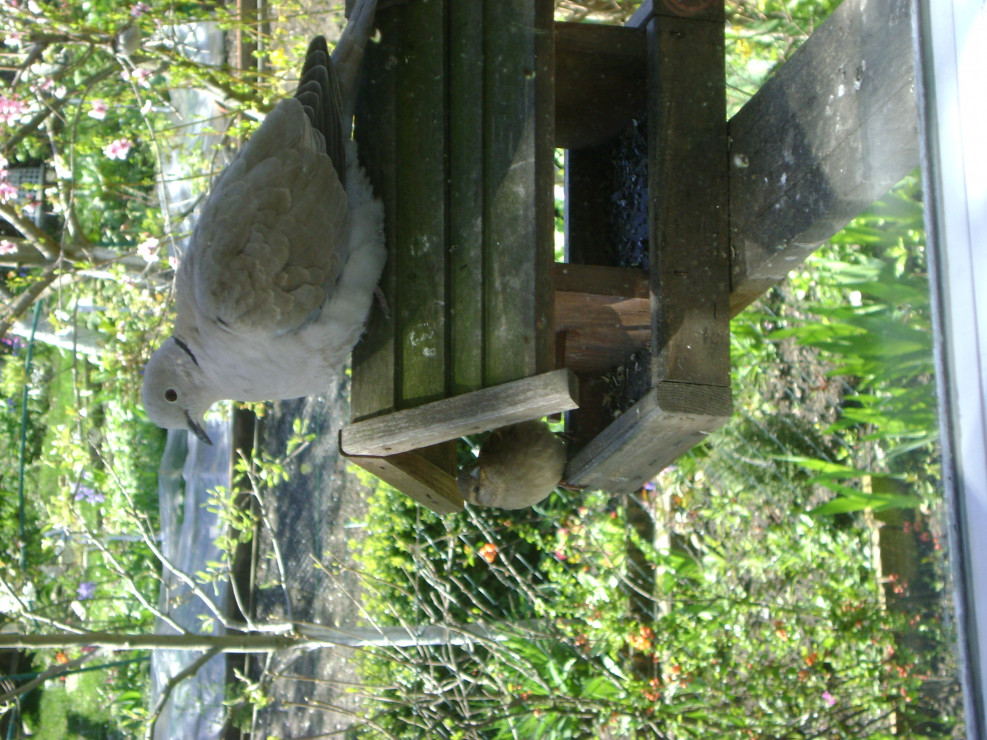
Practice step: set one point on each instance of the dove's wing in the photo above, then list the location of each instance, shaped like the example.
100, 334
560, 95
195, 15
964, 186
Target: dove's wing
270, 242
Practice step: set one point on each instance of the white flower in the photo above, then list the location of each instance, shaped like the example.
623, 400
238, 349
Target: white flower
98, 109
148, 249
118, 149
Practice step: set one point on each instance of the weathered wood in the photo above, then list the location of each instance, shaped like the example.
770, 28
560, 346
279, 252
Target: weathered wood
690, 267
518, 173
667, 422
373, 387
420, 222
601, 82
824, 138
469, 413
687, 172
466, 347
626, 282
604, 313
415, 476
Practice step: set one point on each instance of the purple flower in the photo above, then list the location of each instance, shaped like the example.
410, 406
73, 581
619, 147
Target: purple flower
89, 494
139, 9
86, 590
828, 698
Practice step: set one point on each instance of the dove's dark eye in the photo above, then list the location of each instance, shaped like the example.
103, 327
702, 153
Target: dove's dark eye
171, 395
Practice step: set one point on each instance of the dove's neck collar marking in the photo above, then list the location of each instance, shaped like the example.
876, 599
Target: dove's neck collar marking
187, 351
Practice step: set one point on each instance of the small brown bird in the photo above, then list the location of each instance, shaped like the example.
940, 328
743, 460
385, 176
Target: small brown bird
518, 466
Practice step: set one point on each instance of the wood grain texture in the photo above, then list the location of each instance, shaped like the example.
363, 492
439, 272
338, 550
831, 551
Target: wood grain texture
466, 190
600, 82
688, 199
469, 413
417, 477
826, 136
420, 222
603, 313
518, 174
668, 421
373, 387
627, 282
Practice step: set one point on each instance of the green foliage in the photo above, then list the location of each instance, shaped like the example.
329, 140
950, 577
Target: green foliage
766, 618
761, 35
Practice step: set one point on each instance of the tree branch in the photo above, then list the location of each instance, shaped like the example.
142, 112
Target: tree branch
187, 672
39, 239
28, 296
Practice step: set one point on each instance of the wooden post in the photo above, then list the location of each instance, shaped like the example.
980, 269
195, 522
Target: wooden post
831, 132
689, 255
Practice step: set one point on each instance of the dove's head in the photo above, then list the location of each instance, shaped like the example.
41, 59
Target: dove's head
176, 392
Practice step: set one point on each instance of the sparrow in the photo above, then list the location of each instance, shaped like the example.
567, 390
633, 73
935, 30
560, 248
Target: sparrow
518, 466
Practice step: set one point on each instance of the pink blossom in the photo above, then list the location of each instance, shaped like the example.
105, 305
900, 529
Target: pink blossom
7, 191
828, 698
139, 9
140, 76
7, 247
11, 109
118, 149
99, 109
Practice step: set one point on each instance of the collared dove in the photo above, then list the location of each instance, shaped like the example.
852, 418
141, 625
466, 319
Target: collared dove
276, 285
517, 467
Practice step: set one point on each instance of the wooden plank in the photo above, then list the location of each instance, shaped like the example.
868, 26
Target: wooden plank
687, 173
518, 173
413, 475
469, 413
605, 313
595, 351
824, 138
465, 197
373, 384
627, 282
667, 422
600, 82
420, 222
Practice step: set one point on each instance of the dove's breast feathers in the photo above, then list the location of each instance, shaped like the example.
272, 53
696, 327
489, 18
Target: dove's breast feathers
276, 286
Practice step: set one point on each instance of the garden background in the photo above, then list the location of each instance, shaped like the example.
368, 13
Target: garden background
786, 579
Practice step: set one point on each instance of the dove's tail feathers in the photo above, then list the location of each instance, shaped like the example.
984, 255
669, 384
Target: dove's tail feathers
318, 92
348, 52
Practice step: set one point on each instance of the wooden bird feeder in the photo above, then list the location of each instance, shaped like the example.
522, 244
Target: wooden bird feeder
463, 108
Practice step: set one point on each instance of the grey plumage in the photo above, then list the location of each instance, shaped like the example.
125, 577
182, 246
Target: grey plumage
275, 287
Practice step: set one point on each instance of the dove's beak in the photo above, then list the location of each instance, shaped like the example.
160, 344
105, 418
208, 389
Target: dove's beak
197, 430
